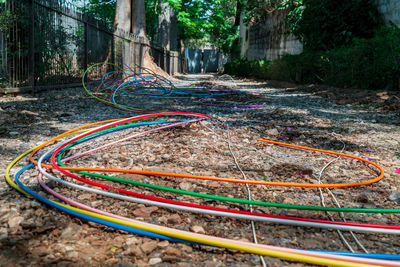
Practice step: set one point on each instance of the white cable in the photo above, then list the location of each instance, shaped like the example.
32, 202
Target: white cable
211, 212
338, 204
363, 260
253, 227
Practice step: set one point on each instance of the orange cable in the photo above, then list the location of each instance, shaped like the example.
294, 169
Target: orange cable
221, 179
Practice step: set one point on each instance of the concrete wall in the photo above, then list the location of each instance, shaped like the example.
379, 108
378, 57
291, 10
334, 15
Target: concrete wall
268, 40
390, 10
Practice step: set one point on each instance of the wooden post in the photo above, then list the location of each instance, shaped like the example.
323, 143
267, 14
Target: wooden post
31, 46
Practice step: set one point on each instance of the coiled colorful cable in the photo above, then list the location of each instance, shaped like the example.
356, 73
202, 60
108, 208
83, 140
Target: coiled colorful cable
325, 261
219, 211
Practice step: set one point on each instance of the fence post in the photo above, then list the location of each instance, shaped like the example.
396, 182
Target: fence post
86, 49
31, 46
166, 63
173, 63
3, 55
141, 54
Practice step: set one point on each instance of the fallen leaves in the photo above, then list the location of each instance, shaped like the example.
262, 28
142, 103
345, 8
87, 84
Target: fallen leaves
198, 150
144, 212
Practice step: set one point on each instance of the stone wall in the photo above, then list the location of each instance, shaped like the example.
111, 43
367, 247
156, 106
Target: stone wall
268, 40
390, 9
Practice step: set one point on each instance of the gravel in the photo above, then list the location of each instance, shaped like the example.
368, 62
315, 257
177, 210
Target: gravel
363, 123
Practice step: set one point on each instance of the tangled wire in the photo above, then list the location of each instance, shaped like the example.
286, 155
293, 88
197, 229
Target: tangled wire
114, 87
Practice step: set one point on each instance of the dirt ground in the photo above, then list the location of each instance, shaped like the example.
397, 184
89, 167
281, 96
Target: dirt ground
359, 122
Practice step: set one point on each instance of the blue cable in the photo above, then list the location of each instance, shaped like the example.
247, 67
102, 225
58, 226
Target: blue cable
360, 255
154, 235
90, 218
130, 126
151, 234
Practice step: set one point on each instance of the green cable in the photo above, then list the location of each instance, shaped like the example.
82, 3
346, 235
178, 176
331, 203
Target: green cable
222, 198
239, 200
108, 130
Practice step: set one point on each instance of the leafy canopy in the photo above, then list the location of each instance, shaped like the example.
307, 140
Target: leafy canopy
101, 9
211, 21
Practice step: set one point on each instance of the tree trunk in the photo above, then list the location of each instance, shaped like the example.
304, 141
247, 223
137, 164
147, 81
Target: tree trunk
130, 16
167, 29
138, 18
164, 25
123, 15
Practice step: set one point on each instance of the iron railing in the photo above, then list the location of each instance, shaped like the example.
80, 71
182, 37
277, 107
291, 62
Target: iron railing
50, 43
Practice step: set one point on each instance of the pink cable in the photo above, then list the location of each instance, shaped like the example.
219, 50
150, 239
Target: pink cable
127, 138
301, 252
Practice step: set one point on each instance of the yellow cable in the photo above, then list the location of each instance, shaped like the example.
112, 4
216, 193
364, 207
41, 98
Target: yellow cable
185, 236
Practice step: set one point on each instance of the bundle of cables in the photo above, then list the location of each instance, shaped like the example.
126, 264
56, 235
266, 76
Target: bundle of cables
119, 87
58, 157
118, 82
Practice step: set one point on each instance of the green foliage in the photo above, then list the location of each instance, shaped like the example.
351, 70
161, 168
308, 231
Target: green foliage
302, 68
6, 19
324, 25
61, 47
101, 9
199, 21
256, 10
366, 63
208, 20
293, 12
239, 67
321, 25
193, 17
152, 12
263, 69
234, 49
224, 30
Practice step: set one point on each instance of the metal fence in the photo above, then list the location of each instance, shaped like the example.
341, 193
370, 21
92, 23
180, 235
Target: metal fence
50, 43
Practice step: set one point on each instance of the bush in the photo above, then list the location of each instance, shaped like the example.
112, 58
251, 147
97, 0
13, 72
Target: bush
238, 67
303, 68
367, 63
263, 69
325, 25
